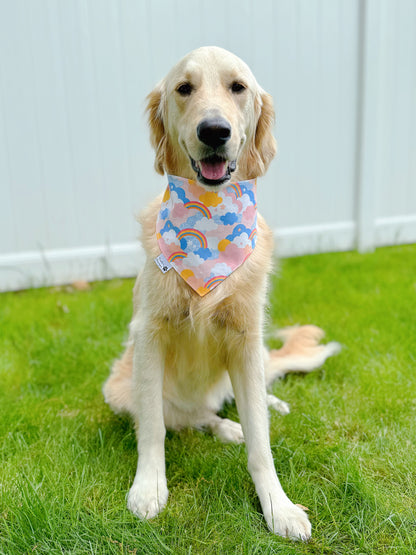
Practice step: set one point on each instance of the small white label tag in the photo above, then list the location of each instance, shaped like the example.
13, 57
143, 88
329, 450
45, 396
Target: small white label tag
162, 263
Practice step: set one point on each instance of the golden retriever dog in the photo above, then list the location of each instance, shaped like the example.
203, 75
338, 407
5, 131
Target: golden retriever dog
187, 353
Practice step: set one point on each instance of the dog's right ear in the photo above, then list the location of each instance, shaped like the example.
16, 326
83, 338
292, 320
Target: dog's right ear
157, 129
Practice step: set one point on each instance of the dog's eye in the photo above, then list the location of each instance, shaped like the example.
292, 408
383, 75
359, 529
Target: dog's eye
185, 89
237, 87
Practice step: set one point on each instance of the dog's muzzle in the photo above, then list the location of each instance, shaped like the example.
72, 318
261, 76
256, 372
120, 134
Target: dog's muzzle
214, 169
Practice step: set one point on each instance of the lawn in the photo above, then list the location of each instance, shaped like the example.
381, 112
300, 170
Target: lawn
347, 451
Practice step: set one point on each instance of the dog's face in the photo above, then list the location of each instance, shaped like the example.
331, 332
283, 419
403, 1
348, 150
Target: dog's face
211, 121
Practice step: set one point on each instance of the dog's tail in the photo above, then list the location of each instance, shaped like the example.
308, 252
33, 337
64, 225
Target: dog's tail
301, 352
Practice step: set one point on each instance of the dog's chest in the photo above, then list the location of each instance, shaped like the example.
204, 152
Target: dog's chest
199, 344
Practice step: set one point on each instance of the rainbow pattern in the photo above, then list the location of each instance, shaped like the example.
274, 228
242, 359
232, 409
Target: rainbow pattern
236, 188
176, 255
253, 234
189, 232
214, 281
199, 206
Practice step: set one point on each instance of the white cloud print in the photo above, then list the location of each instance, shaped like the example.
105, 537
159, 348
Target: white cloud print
242, 240
170, 237
192, 260
221, 269
206, 225
212, 242
229, 204
245, 201
174, 199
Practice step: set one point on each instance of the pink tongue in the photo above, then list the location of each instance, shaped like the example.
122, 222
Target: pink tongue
214, 170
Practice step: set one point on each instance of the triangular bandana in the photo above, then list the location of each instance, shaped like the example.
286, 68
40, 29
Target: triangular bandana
206, 235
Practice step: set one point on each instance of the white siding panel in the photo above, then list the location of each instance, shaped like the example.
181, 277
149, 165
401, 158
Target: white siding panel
49, 97
315, 90
21, 128
137, 83
7, 219
80, 105
397, 187
108, 94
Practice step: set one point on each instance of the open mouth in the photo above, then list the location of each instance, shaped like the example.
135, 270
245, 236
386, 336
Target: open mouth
213, 170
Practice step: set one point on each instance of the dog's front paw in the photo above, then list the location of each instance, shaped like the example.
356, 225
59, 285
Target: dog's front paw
288, 521
147, 497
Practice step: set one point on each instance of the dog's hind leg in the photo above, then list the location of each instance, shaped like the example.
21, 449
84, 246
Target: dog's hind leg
301, 352
277, 404
118, 388
226, 430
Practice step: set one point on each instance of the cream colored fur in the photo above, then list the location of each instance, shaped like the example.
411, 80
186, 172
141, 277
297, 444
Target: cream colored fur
187, 354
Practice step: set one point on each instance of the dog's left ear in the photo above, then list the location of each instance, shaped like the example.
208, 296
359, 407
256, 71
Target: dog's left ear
157, 129
263, 146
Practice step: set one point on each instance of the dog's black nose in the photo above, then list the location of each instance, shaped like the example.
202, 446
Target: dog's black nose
214, 132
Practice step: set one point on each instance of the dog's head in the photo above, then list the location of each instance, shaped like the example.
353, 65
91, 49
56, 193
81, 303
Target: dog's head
209, 118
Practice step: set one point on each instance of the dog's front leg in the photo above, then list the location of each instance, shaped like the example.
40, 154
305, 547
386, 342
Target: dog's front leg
149, 492
247, 376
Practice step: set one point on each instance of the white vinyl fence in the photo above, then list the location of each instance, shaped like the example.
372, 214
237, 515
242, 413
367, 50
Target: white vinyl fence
75, 160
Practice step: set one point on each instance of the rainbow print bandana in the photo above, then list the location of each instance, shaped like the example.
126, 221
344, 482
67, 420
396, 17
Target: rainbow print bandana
206, 235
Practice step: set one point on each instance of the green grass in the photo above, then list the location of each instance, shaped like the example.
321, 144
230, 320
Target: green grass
347, 450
